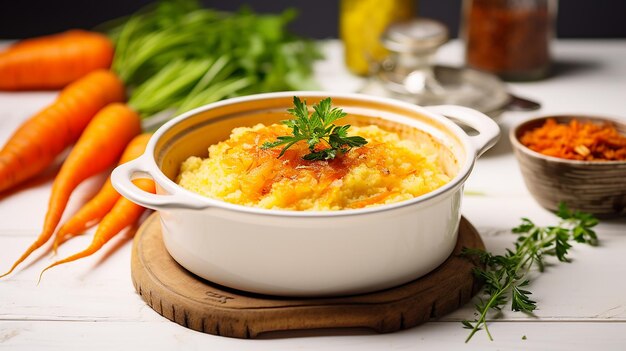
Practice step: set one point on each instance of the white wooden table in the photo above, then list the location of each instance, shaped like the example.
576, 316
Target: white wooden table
91, 304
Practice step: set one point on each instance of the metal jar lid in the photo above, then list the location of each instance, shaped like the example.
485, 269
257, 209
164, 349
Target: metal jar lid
418, 35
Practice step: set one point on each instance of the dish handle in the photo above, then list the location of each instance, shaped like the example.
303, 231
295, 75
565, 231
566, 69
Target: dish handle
488, 130
122, 177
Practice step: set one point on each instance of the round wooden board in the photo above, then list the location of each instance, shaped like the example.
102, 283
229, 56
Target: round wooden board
204, 306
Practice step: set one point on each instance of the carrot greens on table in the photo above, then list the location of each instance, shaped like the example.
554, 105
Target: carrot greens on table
177, 55
506, 276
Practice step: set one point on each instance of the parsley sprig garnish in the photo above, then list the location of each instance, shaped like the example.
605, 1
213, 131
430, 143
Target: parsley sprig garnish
317, 128
505, 276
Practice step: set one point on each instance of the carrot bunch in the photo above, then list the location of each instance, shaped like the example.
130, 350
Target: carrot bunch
89, 113
174, 56
101, 144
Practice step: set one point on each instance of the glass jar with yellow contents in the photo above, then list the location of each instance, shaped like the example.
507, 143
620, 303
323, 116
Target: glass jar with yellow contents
361, 24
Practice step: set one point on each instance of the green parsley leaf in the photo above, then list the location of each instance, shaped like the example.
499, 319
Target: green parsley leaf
317, 128
504, 276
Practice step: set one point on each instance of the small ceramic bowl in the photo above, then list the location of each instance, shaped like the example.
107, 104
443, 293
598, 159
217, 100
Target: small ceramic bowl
597, 187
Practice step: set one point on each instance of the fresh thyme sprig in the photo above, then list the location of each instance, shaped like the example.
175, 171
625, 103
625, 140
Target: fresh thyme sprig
505, 276
315, 128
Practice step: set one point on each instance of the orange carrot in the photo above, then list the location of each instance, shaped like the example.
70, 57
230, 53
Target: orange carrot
38, 141
577, 140
53, 61
122, 215
98, 148
94, 210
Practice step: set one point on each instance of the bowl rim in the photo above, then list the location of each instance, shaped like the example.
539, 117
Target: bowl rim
457, 181
517, 144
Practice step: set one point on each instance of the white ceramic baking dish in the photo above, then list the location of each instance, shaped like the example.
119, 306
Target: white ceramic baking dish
293, 253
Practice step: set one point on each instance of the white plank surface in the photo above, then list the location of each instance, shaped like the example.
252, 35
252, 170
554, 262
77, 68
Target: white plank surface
92, 303
553, 336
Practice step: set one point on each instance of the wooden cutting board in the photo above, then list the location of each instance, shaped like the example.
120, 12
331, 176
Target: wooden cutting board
204, 306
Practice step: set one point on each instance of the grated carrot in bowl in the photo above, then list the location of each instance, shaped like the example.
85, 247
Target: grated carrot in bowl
576, 140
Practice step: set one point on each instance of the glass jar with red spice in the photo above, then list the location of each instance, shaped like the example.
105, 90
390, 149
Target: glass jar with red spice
510, 38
